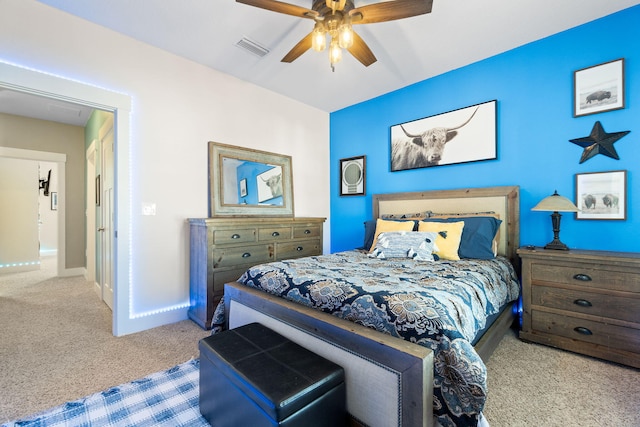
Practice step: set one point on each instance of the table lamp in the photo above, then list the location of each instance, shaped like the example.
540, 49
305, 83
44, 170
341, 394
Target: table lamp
556, 204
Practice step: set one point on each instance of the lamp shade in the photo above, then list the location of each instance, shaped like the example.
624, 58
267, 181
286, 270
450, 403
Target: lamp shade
555, 203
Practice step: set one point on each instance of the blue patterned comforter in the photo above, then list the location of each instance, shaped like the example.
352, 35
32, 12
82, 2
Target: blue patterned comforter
440, 305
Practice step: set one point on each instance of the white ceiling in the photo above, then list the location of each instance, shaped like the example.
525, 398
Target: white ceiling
40, 107
456, 33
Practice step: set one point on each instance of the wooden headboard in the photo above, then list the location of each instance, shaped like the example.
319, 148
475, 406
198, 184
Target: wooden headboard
504, 201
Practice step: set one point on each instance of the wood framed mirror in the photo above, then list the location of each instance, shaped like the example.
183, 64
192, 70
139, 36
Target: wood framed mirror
247, 182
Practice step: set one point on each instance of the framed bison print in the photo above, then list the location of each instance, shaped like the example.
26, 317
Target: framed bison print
602, 195
352, 176
598, 88
459, 136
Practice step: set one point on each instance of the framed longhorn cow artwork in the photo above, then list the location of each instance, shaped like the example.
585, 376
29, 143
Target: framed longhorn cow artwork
598, 88
460, 136
602, 195
269, 185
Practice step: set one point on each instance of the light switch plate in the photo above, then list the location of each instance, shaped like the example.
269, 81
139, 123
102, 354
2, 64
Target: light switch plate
148, 209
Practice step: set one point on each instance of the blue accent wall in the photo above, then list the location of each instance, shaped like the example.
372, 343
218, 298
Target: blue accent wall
533, 85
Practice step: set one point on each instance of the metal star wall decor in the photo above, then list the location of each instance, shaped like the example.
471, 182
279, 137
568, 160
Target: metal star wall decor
599, 142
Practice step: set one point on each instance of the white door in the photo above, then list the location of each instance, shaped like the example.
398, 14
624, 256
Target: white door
106, 231
90, 212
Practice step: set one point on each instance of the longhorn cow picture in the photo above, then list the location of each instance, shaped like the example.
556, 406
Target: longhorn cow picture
460, 136
269, 184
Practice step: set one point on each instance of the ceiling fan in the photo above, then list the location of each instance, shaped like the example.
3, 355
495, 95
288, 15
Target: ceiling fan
333, 20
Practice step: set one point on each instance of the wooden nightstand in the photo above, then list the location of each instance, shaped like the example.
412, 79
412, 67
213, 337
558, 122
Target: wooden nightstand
583, 301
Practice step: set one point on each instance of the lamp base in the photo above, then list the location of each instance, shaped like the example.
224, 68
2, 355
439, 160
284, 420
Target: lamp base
556, 245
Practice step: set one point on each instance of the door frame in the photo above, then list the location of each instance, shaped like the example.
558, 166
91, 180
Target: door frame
52, 86
106, 237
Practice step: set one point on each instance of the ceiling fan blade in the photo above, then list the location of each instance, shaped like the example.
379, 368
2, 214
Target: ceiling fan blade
390, 11
361, 51
281, 7
300, 48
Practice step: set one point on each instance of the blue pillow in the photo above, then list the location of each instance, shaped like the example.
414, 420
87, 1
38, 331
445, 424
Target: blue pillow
477, 235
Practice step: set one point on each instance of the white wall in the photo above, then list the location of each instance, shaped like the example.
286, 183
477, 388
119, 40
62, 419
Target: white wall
177, 106
18, 215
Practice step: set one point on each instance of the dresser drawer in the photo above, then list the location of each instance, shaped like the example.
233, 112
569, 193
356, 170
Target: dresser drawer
584, 276
226, 276
252, 254
310, 231
274, 234
618, 337
287, 250
243, 235
597, 304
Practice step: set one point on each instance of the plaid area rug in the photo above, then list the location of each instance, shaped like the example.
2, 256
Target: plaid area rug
168, 398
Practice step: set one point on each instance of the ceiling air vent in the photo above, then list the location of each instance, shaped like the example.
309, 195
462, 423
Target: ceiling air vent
252, 47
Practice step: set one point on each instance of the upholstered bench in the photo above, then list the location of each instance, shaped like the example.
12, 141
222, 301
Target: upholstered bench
253, 376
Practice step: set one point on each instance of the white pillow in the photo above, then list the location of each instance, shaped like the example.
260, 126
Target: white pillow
417, 245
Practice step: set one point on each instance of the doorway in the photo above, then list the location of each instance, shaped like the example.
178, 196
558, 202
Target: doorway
55, 87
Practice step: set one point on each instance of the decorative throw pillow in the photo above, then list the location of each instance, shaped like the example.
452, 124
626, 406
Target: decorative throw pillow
383, 226
405, 244
478, 235
448, 240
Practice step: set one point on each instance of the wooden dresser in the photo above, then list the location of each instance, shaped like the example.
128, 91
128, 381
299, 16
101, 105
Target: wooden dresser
221, 249
583, 301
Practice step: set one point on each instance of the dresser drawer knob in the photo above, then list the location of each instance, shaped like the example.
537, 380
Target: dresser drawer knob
299, 248
582, 330
275, 234
582, 303
246, 255
235, 236
307, 231
582, 277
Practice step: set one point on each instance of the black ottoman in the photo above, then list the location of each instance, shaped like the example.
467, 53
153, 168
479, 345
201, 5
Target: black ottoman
253, 376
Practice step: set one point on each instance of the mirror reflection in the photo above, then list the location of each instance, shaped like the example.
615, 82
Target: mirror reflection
248, 182
251, 183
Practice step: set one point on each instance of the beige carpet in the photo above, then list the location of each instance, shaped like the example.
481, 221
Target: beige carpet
56, 345
535, 385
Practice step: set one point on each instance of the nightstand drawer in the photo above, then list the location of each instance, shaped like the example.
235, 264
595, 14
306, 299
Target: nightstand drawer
287, 250
597, 304
588, 331
252, 254
583, 276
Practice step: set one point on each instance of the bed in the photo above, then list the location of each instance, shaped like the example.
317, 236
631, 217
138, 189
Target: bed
406, 348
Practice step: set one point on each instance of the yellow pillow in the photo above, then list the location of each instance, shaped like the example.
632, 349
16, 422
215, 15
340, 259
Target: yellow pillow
384, 226
448, 240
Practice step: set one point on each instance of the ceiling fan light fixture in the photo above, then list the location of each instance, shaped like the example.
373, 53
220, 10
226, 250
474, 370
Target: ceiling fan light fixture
333, 20
335, 53
345, 34
319, 37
